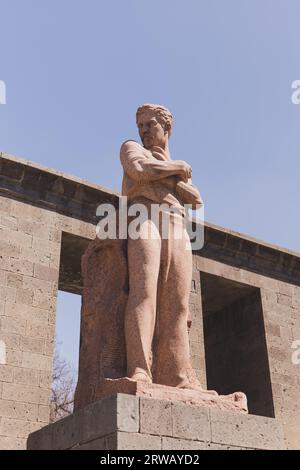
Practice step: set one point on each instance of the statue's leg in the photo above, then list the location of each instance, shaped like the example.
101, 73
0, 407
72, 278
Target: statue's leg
140, 315
172, 358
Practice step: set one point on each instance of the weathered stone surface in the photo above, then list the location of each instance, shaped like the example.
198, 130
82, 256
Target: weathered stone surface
170, 443
20, 411
156, 417
128, 413
109, 415
103, 443
108, 387
102, 347
66, 431
18, 428
91, 424
191, 422
120, 422
135, 441
257, 431
12, 443
42, 439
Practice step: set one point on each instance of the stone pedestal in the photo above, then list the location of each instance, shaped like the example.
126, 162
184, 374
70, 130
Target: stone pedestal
234, 402
128, 422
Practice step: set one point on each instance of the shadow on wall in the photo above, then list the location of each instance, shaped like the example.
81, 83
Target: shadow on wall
235, 342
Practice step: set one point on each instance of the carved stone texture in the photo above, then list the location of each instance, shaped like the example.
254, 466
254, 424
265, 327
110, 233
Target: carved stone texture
102, 340
235, 401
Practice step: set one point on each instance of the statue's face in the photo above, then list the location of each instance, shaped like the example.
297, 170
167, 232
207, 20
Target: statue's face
152, 133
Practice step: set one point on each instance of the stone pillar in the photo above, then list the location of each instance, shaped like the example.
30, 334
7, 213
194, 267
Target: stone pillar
29, 270
37, 207
196, 334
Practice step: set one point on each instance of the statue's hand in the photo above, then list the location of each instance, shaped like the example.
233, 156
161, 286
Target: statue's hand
189, 194
185, 172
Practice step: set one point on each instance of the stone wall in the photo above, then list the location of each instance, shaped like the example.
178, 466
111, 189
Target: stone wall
30, 239
30, 245
281, 315
29, 265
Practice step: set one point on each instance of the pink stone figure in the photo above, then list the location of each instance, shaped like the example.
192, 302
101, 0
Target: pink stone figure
160, 269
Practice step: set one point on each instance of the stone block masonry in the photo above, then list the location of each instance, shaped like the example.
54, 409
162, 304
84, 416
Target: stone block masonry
126, 422
29, 263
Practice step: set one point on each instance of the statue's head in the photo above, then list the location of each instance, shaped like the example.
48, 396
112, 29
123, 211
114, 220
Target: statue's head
154, 124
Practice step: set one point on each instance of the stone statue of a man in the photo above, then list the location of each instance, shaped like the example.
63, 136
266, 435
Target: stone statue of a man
160, 269
135, 299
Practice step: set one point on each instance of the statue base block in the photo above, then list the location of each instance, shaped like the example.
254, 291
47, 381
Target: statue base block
233, 402
129, 422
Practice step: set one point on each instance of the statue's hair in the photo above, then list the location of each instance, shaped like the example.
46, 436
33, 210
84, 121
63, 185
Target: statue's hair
162, 114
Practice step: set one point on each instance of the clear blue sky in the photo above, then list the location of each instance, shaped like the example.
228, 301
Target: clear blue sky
76, 70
